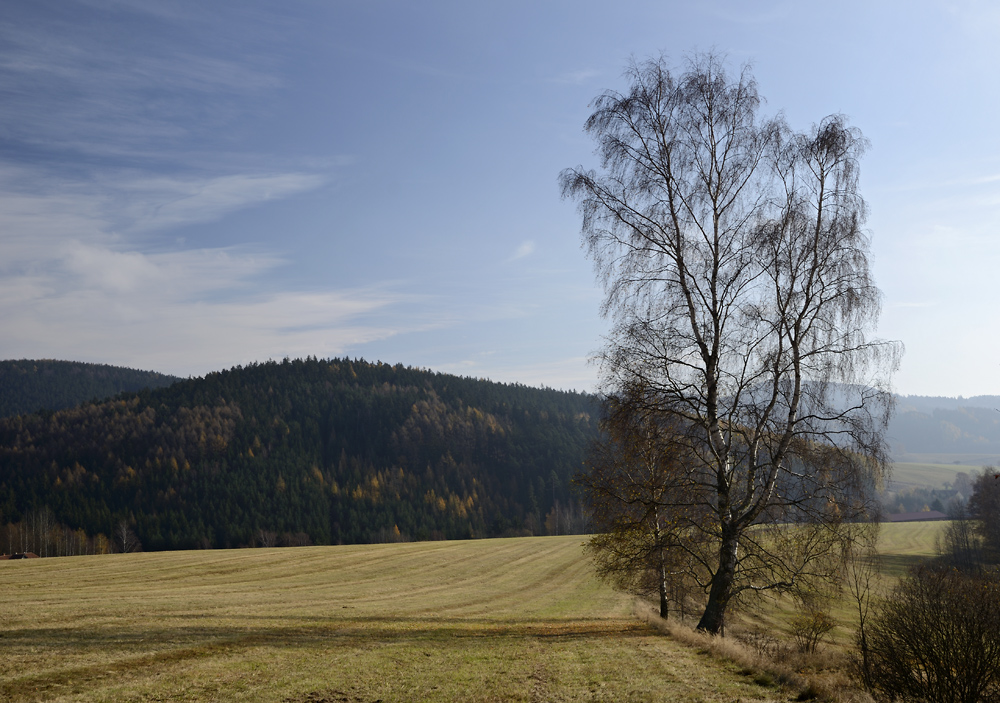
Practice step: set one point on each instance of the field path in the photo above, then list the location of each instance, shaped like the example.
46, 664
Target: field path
486, 620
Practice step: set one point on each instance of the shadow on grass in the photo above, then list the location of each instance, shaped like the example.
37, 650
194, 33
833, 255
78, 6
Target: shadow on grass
126, 652
897, 565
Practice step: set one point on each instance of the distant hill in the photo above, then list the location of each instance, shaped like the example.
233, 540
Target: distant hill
928, 403
946, 430
326, 451
27, 386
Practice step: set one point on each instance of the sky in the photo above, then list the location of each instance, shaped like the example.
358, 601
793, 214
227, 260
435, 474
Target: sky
188, 186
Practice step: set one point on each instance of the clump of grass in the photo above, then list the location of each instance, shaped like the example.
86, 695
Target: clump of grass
809, 693
765, 679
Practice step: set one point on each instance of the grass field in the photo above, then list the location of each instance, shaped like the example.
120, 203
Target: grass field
902, 545
961, 462
905, 544
906, 474
490, 620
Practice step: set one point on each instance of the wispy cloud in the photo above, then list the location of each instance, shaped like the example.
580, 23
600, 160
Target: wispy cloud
70, 288
525, 248
118, 89
160, 202
41, 214
122, 121
164, 330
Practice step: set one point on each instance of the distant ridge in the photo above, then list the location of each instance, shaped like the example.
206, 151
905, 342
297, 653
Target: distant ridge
928, 403
951, 429
30, 385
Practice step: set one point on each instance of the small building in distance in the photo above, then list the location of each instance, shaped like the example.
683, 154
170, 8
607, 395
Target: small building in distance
18, 555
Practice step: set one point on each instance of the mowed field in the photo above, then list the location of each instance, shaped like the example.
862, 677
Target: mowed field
489, 620
906, 544
907, 474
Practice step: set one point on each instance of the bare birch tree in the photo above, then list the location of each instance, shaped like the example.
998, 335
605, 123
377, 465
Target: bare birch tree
735, 265
125, 539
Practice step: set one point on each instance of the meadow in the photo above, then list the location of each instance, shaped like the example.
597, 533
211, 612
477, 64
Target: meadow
935, 475
487, 620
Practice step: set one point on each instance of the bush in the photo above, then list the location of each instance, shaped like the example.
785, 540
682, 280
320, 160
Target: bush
935, 639
810, 627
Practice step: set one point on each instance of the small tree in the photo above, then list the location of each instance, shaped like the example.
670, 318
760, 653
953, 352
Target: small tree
265, 538
861, 576
936, 639
960, 544
812, 623
125, 539
647, 542
984, 507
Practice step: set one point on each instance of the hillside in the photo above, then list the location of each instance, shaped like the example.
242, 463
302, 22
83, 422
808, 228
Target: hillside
338, 452
934, 430
303, 451
930, 403
27, 386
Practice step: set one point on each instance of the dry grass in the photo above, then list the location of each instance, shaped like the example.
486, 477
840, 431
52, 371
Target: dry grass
491, 620
770, 660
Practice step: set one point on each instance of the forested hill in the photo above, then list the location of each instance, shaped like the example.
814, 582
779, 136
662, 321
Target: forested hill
325, 451
27, 386
945, 425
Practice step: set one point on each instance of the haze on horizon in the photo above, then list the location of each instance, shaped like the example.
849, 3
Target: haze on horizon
188, 186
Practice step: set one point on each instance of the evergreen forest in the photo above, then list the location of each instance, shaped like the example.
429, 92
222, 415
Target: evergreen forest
299, 452
27, 386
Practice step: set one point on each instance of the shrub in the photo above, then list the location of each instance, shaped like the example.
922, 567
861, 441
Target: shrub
810, 627
935, 639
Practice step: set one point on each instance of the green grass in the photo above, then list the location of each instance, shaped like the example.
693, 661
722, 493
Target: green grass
906, 544
489, 620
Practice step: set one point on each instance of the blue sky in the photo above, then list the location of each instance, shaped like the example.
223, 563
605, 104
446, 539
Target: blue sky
186, 186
